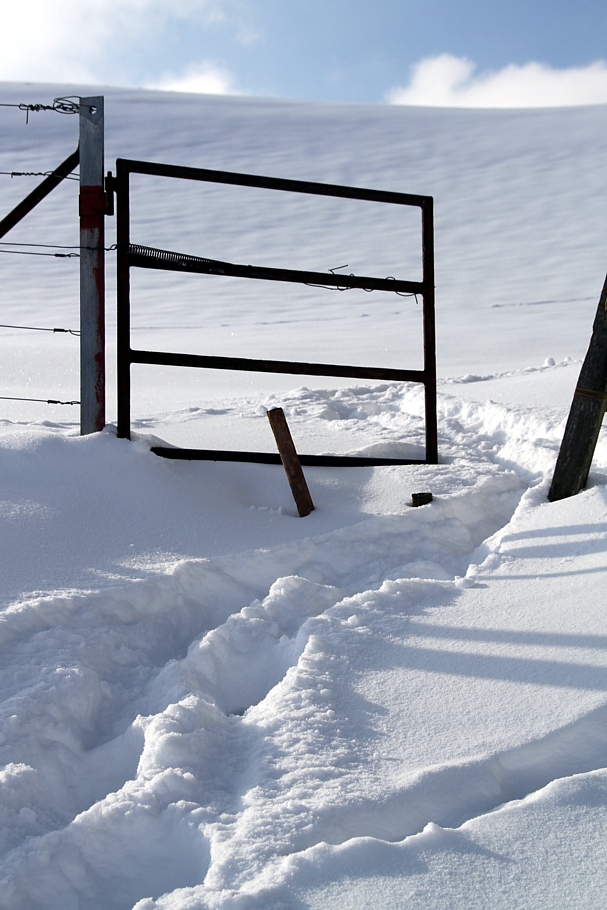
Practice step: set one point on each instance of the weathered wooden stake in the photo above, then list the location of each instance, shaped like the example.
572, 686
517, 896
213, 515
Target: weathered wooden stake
93, 207
290, 460
586, 414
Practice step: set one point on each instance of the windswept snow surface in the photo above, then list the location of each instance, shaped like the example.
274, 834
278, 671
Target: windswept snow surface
207, 702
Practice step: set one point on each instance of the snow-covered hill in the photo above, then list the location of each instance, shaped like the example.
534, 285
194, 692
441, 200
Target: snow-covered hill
207, 702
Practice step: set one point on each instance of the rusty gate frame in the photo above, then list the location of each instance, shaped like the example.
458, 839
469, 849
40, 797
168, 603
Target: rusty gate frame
136, 256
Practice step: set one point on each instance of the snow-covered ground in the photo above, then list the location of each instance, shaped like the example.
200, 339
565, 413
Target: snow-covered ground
208, 702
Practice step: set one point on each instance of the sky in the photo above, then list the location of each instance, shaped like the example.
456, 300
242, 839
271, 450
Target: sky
471, 53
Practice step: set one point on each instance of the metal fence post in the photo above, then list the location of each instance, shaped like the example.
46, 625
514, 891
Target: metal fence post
93, 207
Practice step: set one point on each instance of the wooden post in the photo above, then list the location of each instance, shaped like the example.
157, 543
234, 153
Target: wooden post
586, 414
290, 461
93, 207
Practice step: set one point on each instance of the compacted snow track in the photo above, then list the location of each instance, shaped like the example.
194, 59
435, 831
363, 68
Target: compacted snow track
199, 725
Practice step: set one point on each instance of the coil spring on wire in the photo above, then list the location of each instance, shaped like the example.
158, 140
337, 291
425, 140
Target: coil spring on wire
178, 259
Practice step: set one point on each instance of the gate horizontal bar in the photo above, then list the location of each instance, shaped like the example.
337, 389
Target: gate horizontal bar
211, 362
149, 258
271, 183
312, 461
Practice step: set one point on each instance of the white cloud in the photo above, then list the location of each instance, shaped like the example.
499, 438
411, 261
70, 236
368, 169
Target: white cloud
448, 81
97, 40
203, 79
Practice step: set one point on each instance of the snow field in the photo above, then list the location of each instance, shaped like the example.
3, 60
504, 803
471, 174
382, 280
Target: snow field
207, 702
517, 217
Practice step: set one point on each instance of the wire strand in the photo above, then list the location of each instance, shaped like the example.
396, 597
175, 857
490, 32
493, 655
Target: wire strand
37, 174
31, 253
66, 105
56, 246
36, 328
331, 287
43, 400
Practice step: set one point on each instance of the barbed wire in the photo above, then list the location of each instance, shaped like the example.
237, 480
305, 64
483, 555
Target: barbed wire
66, 105
37, 174
36, 328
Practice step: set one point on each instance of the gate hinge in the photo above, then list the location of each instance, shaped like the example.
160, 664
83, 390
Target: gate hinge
110, 189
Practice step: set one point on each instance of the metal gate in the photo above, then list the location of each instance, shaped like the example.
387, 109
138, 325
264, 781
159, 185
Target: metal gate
136, 256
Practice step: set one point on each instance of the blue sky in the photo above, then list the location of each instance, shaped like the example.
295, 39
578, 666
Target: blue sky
334, 50
355, 50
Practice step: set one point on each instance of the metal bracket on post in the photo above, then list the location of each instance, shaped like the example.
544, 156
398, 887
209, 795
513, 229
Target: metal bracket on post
93, 208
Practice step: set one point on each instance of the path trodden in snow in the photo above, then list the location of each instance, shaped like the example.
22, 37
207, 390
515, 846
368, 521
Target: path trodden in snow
325, 723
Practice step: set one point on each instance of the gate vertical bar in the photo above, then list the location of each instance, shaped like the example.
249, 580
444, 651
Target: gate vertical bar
429, 331
123, 300
93, 207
